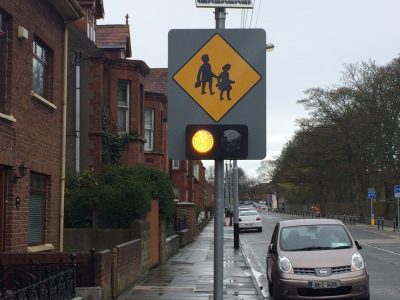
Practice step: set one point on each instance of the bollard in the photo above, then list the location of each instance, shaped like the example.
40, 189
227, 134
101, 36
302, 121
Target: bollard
379, 222
394, 224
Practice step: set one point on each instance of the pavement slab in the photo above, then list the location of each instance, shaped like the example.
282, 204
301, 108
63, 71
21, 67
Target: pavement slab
190, 273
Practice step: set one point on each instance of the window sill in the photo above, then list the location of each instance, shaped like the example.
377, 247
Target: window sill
42, 100
8, 117
41, 248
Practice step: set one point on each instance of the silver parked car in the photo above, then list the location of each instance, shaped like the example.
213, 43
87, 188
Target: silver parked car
249, 219
315, 259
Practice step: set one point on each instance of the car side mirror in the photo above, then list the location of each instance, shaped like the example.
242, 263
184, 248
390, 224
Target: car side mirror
358, 245
271, 248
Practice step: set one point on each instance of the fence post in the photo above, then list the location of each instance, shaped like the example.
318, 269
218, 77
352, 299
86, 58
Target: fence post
2, 279
72, 257
93, 264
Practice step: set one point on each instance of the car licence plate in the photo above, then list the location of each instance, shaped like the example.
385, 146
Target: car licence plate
324, 284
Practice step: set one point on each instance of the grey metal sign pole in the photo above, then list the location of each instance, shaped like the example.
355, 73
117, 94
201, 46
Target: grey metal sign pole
398, 214
235, 184
219, 201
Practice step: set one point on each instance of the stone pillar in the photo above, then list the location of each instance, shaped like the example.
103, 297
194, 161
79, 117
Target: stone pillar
188, 209
162, 236
140, 229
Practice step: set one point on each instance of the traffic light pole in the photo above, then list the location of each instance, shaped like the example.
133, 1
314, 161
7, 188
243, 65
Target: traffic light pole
235, 205
219, 201
219, 230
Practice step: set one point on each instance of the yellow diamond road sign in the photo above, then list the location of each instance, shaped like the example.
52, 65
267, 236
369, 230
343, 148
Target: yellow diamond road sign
217, 77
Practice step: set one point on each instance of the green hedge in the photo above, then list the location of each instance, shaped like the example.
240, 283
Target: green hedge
115, 197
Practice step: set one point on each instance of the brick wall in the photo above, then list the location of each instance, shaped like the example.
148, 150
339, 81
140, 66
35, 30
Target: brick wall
126, 265
38, 127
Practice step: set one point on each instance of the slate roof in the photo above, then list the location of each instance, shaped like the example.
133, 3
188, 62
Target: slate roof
157, 81
114, 37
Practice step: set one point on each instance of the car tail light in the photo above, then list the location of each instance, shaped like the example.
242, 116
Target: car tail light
240, 220
258, 219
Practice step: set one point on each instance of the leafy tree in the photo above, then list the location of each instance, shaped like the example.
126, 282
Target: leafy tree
350, 141
265, 170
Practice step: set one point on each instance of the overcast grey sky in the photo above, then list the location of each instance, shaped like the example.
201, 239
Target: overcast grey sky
313, 40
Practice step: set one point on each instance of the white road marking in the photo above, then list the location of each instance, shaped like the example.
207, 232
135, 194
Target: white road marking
388, 251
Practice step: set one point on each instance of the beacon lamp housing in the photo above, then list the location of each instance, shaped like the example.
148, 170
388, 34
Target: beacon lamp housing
210, 141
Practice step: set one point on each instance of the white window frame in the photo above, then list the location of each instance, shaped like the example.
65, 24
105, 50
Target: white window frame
124, 107
40, 55
175, 164
196, 171
149, 130
91, 32
176, 193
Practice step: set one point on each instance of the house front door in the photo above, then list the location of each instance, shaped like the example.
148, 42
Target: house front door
2, 206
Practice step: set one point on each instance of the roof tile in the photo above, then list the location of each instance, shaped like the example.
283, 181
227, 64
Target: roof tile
157, 81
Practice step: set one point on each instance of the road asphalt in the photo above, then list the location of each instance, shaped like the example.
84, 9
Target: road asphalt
189, 274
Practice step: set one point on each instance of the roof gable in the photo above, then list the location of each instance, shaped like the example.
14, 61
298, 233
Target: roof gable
114, 37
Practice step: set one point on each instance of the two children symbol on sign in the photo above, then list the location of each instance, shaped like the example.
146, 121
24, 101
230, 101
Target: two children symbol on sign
205, 76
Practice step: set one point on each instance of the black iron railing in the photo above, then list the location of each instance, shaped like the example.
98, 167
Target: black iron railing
21, 284
37, 281
180, 224
176, 225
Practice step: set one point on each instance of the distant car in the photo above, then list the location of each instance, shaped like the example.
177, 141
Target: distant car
242, 208
315, 259
249, 219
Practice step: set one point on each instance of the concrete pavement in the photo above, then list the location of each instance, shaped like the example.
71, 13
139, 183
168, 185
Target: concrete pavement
189, 274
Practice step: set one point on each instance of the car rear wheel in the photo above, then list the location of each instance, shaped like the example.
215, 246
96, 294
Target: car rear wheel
259, 229
366, 298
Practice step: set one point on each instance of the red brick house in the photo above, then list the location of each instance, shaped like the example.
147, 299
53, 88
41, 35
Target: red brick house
190, 185
109, 94
32, 97
155, 111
